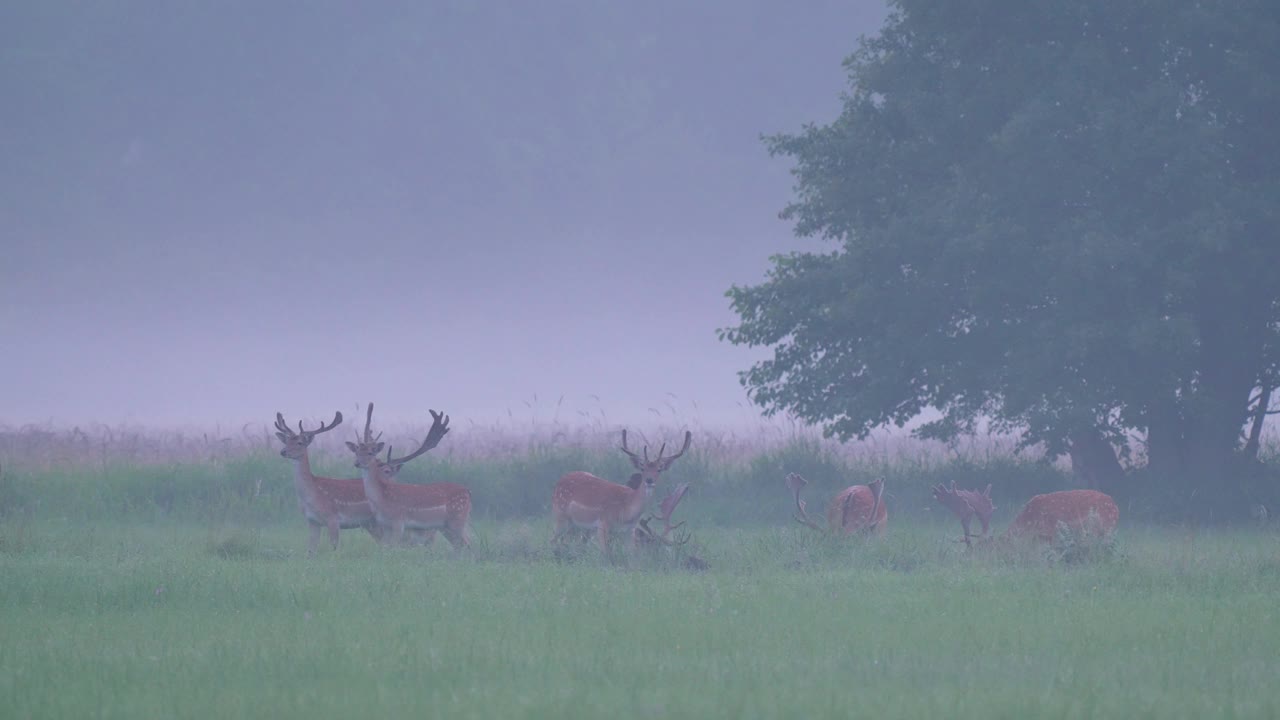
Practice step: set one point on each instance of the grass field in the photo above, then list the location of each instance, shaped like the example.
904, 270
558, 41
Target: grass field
157, 584
172, 620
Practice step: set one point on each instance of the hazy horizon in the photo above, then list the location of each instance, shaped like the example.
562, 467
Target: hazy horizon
217, 212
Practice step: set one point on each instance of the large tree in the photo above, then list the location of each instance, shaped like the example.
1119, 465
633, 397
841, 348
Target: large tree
1056, 217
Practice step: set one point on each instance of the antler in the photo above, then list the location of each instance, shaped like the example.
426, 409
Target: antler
688, 438
965, 504
666, 508
669, 503
368, 418
650, 535
439, 428
283, 427
660, 463
795, 483
635, 459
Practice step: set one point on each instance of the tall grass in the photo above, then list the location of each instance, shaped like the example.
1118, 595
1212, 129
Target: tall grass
736, 478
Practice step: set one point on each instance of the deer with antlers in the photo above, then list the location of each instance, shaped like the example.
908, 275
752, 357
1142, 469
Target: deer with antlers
648, 536
325, 502
335, 504
403, 506
857, 508
1039, 518
583, 500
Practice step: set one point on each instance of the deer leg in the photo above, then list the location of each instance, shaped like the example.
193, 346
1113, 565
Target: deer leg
964, 523
562, 526
456, 534
334, 531
314, 542
603, 536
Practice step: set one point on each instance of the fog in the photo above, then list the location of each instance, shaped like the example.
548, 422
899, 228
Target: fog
212, 212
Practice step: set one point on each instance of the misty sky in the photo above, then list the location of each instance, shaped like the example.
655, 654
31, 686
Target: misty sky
213, 211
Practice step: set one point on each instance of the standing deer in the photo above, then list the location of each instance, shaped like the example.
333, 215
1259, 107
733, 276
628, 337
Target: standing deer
325, 502
403, 506
584, 500
857, 508
1039, 518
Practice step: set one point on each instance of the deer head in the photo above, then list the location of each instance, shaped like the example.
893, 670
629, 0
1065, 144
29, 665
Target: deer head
295, 443
966, 504
367, 447
648, 470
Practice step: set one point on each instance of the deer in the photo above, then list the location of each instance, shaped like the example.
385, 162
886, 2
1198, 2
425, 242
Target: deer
648, 536
1039, 518
440, 506
325, 502
336, 504
857, 508
583, 500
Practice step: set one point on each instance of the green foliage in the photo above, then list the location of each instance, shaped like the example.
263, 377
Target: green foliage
1084, 544
1056, 217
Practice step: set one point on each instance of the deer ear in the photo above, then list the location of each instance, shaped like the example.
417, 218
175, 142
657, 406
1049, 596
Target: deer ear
282, 437
352, 446
377, 448
634, 481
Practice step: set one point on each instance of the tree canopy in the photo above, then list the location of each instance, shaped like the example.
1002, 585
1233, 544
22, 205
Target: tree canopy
1057, 217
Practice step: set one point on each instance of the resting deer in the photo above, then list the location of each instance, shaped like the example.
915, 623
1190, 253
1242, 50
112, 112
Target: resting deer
649, 536
857, 508
402, 506
1039, 518
584, 500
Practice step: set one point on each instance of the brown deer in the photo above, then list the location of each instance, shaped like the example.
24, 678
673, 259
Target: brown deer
586, 501
1039, 518
402, 506
857, 508
325, 502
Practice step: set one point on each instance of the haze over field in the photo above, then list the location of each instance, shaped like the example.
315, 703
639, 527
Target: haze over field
216, 211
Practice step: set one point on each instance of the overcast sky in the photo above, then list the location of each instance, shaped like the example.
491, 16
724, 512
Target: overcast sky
213, 211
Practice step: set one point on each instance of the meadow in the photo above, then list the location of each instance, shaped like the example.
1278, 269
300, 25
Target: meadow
150, 574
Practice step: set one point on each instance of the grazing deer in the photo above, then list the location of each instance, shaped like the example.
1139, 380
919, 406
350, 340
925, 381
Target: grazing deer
400, 506
584, 500
325, 502
857, 508
1039, 518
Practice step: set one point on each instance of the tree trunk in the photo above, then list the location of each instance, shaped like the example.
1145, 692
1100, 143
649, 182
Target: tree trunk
1093, 461
1165, 445
1254, 442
